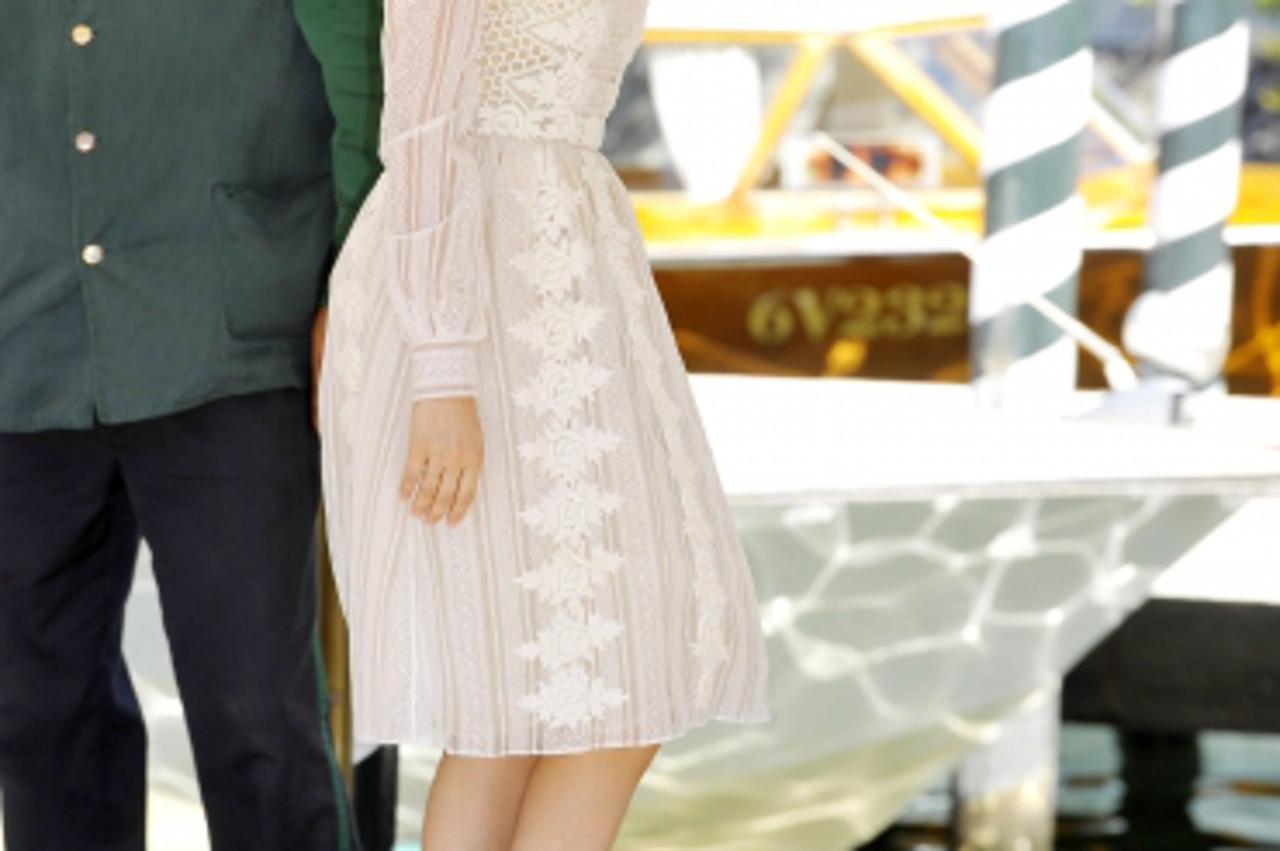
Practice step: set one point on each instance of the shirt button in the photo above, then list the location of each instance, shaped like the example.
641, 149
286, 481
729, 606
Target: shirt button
86, 141
92, 255
82, 34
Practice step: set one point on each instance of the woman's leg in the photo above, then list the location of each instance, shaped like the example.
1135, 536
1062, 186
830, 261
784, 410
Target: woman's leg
474, 803
577, 802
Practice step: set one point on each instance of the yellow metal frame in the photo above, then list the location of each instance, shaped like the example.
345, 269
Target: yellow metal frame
810, 56
877, 50
917, 90
739, 36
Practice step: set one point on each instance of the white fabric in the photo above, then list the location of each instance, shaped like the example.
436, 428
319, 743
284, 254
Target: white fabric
710, 107
596, 594
432, 221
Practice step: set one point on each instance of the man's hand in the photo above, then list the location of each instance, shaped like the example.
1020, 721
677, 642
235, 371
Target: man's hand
446, 452
318, 329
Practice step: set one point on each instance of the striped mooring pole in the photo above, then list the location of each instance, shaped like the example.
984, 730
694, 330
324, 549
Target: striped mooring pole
1033, 123
1180, 327
1004, 791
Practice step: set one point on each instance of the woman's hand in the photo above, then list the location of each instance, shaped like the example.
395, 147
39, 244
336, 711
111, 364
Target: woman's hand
446, 451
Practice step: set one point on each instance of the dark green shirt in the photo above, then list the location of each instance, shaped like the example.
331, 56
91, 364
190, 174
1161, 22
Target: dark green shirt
168, 197
344, 35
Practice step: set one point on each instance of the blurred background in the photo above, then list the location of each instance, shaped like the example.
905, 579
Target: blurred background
991, 625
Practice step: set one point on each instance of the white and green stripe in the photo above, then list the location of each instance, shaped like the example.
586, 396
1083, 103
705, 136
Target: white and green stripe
1033, 122
1181, 325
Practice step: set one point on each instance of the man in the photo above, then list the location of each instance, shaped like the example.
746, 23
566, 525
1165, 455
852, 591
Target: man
167, 213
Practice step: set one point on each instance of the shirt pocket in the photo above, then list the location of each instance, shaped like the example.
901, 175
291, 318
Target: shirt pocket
272, 251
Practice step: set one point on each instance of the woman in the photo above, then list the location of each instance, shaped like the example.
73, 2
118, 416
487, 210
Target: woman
535, 556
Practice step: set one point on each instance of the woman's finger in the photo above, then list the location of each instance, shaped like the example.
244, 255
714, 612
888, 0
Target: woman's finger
430, 484
410, 478
466, 494
445, 495
413, 469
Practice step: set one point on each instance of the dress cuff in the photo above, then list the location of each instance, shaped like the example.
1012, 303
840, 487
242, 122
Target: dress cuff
444, 369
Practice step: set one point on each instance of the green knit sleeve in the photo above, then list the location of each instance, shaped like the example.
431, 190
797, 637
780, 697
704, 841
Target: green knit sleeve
344, 36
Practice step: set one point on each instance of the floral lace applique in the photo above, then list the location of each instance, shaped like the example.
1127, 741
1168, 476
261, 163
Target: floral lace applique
710, 645
571, 696
570, 515
543, 72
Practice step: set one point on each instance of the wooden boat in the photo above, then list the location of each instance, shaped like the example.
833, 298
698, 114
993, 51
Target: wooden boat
831, 280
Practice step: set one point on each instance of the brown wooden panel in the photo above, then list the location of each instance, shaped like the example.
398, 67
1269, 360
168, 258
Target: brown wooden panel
905, 316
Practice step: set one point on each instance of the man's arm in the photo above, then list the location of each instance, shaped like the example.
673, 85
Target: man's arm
344, 36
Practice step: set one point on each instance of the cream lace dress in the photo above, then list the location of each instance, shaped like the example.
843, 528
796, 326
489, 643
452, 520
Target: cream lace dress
596, 593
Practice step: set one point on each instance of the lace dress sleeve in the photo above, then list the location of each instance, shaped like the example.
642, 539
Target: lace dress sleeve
433, 228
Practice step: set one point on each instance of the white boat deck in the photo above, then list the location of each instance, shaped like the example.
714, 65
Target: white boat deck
923, 566
791, 439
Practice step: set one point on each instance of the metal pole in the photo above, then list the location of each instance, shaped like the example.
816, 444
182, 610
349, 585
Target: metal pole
1180, 327
1006, 791
1035, 116
1120, 375
333, 643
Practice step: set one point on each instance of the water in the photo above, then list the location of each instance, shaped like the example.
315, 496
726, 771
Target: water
1214, 790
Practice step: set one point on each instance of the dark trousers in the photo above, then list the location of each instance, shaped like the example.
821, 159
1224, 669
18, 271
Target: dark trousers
226, 496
